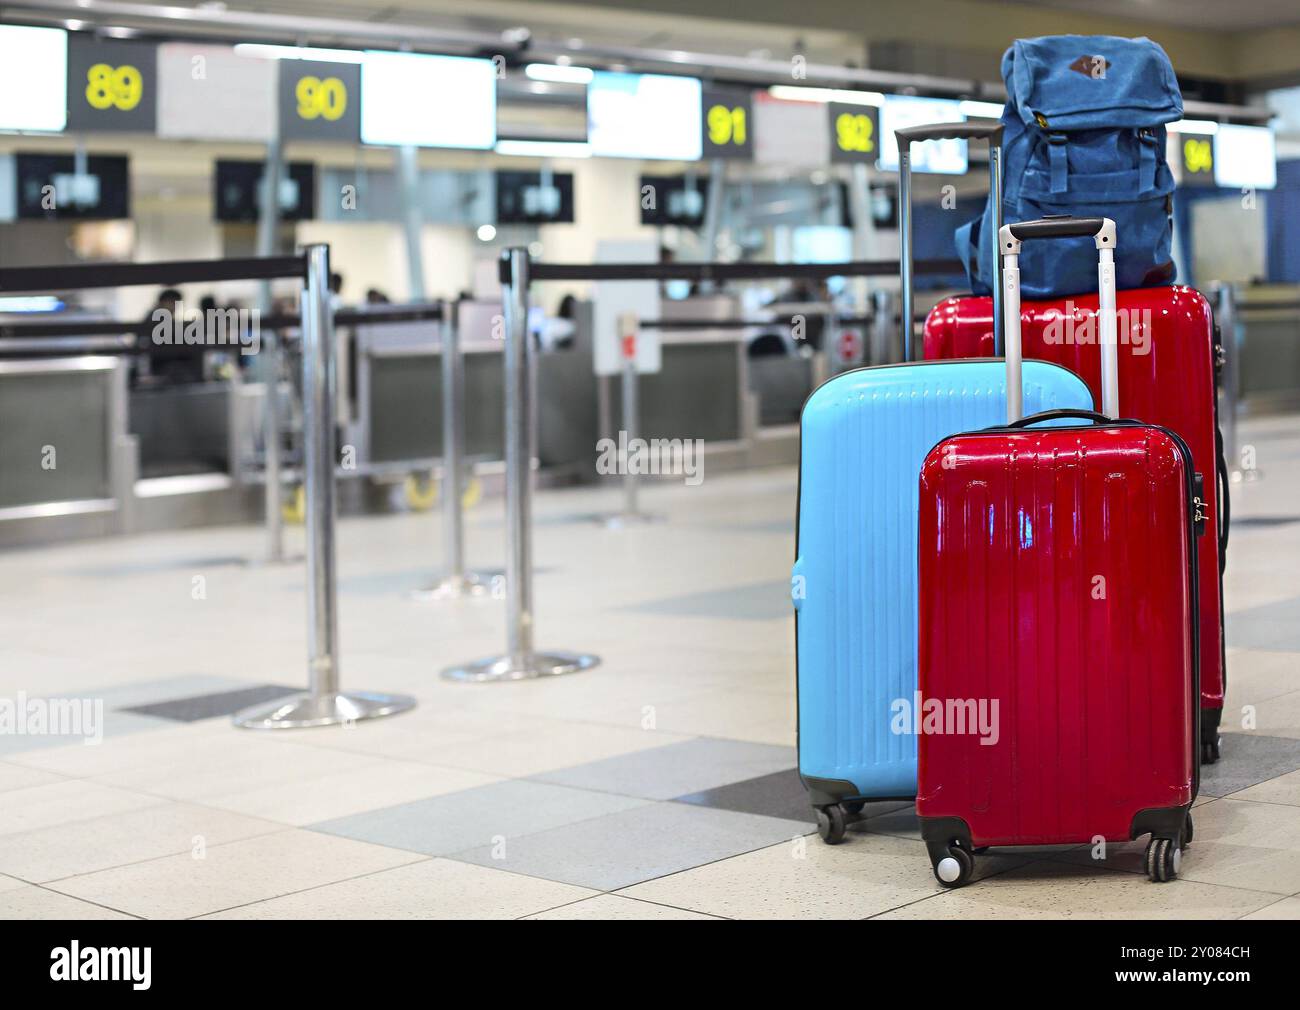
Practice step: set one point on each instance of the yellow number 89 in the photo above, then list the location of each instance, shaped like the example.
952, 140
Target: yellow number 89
113, 87
327, 99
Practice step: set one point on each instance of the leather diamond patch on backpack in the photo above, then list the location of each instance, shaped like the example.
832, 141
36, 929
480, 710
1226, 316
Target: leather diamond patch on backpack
1091, 66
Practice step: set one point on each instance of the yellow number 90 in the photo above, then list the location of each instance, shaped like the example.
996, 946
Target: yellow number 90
327, 99
114, 87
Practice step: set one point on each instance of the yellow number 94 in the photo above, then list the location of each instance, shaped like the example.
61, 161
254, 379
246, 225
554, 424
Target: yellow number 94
114, 87
317, 99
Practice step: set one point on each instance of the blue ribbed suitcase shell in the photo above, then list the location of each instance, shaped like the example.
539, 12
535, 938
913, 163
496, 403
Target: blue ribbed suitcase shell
863, 437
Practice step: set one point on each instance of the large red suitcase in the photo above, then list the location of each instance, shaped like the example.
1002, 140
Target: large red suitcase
1057, 574
1168, 358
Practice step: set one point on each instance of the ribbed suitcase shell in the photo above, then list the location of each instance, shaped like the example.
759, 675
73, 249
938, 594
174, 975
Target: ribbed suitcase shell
1094, 681
1172, 386
863, 437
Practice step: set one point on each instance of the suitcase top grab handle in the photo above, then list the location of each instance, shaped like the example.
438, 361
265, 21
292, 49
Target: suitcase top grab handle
1102, 231
1055, 415
1060, 226
992, 132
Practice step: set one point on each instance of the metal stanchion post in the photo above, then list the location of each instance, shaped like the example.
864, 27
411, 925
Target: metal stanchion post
520, 661
629, 333
273, 499
457, 582
323, 704
1229, 413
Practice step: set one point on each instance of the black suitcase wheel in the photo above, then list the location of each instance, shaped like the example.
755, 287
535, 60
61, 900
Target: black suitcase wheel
1187, 831
1210, 751
954, 869
853, 807
1163, 858
831, 824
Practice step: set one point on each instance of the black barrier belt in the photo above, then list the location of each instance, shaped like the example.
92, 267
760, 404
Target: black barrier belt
746, 324
722, 271
50, 329
82, 276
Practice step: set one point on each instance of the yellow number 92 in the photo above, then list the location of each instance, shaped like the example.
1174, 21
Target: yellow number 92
853, 132
317, 99
114, 87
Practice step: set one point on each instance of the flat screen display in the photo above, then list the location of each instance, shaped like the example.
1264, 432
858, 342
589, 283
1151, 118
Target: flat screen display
237, 191
428, 101
35, 94
1245, 157
528, 198
944, 157
673, 199
51, 188
644, 116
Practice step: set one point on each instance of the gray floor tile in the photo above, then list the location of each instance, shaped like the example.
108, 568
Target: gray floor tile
209, 706
780, 794
679, 769
1248, 759
636, 845
455, 821
761, 601
1273, 626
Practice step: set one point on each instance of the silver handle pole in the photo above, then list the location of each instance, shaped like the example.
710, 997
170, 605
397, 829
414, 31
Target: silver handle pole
905, 239
1108, 332
519, 510
271, 439
1011, 339
1231, 377
995, 201
318, 390
453, 440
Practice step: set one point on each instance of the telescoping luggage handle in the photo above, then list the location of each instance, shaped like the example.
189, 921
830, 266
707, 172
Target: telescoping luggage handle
1102, 231
992, 132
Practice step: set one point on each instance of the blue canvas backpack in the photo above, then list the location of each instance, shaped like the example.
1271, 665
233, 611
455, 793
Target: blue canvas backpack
1084, 134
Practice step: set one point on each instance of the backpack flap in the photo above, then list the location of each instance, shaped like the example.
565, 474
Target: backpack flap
1062, 83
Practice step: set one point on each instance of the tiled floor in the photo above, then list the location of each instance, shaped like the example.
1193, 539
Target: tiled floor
660, 785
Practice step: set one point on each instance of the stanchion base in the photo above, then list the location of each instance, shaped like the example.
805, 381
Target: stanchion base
470, 585
540, 664
299, 711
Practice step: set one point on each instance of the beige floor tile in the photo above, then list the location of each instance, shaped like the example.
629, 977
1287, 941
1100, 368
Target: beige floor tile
14, 776
1287, 908
1253, 867
1256, 676
377, 783
66, 802
134, 836
1236, 821
27, 901
239, 761
555, 744
1283, 789
805, 879
237, 873
429, 889
1050, 889
613, 906
1279, 716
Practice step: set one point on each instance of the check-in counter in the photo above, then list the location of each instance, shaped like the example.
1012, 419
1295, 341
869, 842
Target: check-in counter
66, 460
1270, 347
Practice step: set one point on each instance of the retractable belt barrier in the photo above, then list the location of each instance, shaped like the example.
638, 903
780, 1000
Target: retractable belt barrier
323, 703
517, 271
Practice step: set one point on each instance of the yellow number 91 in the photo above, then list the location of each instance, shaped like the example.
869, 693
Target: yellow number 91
327, 99
113, 87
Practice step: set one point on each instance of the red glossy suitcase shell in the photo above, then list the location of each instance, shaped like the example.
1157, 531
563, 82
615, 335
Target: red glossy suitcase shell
1095, 696
1173, 386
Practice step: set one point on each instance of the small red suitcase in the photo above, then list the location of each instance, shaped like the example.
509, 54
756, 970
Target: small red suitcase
1168, 358
1057, 614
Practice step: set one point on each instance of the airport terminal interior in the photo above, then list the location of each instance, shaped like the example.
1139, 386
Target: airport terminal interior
404, 454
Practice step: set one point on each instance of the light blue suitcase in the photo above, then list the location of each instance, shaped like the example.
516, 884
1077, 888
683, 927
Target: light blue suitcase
863, 437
